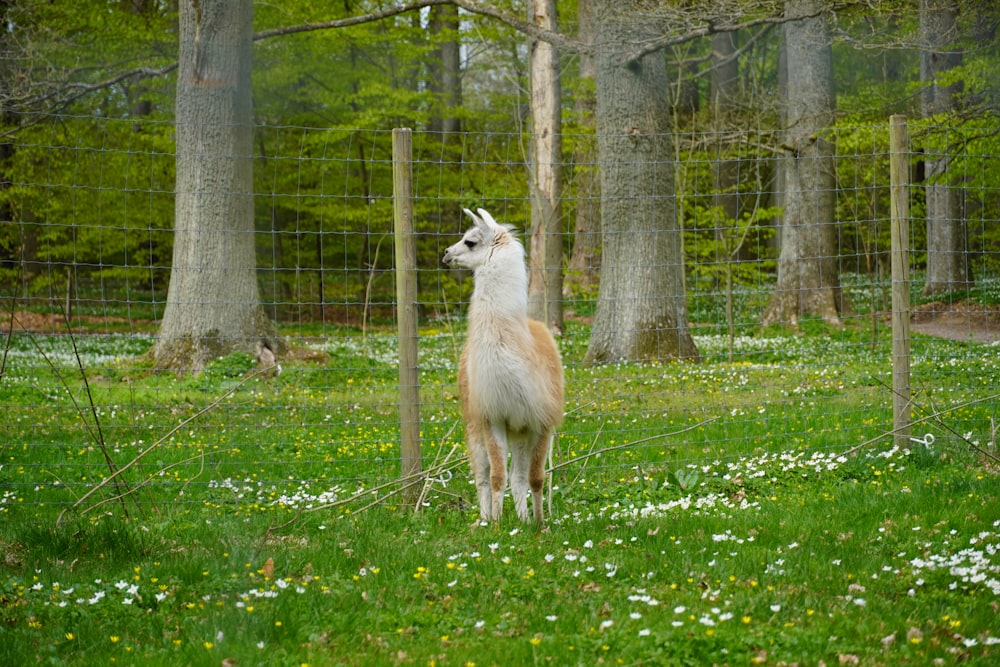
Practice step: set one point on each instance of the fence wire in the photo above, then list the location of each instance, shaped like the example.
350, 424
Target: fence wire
86, 247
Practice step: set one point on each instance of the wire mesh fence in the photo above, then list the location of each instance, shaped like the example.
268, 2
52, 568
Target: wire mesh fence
86, 261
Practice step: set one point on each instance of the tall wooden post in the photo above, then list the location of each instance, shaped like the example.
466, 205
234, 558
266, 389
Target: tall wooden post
406, 310
899, 193
545, 173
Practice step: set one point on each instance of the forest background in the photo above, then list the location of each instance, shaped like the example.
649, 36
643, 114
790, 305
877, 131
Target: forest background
743, 91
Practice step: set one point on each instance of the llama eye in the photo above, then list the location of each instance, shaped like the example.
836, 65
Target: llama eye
470, 244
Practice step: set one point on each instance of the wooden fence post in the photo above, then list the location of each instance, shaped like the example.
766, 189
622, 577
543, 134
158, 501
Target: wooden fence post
899, 193
406, 311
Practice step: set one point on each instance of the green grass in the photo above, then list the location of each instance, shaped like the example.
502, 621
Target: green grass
889, 557
732, 530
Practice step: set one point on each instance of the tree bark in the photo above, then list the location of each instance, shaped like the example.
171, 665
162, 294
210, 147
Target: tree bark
545, 257
641, 309
724, 88
445, 70
808, 275
724, 82
585, 258
213, 304
948, 265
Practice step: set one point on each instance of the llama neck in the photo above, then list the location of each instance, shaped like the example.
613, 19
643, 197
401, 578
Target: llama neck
501, 288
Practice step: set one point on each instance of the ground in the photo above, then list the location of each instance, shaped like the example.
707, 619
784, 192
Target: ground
958, 321
52, 323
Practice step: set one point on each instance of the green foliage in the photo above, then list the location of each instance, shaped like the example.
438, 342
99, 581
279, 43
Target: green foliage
685, 479
330, 241
95, 197
726, 210
969, 149
87, 196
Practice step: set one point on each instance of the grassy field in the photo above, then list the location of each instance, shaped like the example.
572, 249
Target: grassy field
738, 511
889, 557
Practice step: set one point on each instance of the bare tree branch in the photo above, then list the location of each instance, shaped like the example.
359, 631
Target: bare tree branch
557, 39
57, 99
707, 29
388, 12
70, 92
735, 55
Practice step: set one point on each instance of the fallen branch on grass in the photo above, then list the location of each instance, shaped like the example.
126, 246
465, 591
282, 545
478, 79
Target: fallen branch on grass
200, 455
121, 471
405, 483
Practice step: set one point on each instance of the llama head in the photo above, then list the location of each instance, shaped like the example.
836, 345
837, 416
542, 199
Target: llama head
481, 242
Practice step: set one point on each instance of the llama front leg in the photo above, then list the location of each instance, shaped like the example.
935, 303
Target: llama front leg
496, 446
520, 460
479, 460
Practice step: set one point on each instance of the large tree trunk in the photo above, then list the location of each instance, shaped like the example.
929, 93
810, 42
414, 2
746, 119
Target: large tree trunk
641, 309
545, 258
948, 265
585, 259
808, 277
213, 304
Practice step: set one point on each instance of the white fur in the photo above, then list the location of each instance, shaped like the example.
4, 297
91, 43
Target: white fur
510, 375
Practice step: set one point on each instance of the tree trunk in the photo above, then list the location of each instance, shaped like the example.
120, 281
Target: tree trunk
641, 309
724, 87
808, 278
585, 259
444, 70
948, 265
213, 304
724, 82
545, 257
777, 198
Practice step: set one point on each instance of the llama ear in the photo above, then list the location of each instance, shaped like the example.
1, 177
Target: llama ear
484, 223
487, 218
475, 218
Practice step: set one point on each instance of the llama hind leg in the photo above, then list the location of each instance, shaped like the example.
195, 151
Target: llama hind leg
536, 475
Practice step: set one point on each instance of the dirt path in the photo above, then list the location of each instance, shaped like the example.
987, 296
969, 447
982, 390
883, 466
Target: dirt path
961, 321
25, 320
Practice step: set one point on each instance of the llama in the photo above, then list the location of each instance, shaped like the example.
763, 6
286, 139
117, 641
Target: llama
510, 376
